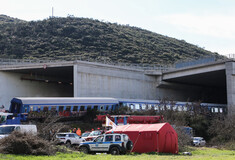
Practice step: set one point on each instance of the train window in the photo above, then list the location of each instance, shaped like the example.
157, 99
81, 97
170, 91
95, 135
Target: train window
68, 108
82, 108
150, 106
107, 108
174, 107
61, 108
185, 108
101, 108
75, 108
137, 106
180, 108
143, 106
162, 107
95, 108
45, 109
125, 105
212, 109
168, 107
53, 108
216, 110
132, 106
35, 108
221, 110
88, 108
30, 108
156, 107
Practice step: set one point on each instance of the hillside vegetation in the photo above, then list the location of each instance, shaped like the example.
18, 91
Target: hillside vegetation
7, 19
74, 38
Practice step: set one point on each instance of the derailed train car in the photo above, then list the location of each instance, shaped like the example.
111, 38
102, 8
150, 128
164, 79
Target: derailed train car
65, 106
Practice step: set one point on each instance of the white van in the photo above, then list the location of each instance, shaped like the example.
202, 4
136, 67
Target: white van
5, 130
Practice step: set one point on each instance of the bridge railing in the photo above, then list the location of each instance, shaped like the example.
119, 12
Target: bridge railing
144, 66
22, 61
8, 62
199, 61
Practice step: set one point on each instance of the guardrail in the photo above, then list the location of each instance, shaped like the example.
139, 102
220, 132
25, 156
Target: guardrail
199, 61
182, 64
9, 62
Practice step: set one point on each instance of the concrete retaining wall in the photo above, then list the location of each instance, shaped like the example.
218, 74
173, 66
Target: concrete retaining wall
106, 81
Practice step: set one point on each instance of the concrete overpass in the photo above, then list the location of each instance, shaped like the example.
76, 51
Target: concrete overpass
211, 83
75, 78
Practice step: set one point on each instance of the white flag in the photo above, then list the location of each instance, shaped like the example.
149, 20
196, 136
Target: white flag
110, 123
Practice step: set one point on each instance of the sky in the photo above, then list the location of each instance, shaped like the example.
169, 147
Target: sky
209, 24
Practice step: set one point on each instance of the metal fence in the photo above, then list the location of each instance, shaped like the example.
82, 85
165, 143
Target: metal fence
199, 61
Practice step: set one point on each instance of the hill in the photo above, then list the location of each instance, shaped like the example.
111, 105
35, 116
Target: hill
7, 19
74, 38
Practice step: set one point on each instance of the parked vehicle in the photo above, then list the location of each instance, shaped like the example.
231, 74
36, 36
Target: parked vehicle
5, 130
93, 135
85, 134
110, 143
69, 138
199, 141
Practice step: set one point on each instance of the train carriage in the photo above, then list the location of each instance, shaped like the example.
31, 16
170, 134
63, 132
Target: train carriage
25, 105
60, 104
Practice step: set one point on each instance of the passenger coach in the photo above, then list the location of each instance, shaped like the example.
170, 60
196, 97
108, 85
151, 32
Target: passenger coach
78, 104
60, 104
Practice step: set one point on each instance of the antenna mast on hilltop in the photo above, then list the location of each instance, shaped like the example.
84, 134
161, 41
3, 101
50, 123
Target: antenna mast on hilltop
52, 12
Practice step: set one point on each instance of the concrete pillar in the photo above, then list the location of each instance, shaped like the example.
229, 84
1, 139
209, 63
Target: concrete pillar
230, 80
75, 80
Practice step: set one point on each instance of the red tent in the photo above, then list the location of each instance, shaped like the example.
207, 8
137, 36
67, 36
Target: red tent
160, 137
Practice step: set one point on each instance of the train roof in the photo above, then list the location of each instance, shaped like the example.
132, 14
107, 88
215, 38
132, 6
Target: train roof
64, 100
93, 100
137, 100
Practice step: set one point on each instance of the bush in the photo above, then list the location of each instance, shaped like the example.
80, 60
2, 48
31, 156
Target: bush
184, 140
23, 143
229, 145
222, 130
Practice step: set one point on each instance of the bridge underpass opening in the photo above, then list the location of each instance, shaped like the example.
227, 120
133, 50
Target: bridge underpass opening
56, 81
207, 87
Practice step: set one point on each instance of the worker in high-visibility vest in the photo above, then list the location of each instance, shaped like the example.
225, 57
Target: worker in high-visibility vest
79, 132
